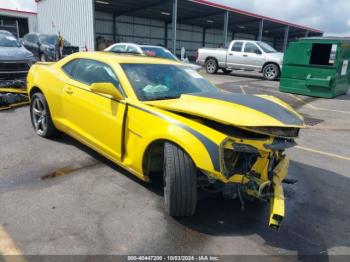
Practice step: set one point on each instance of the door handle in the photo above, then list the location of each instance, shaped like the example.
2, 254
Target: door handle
245, 55
68, 90
230, 54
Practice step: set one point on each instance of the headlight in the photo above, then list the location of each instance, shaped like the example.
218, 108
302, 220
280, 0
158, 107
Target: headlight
237, 158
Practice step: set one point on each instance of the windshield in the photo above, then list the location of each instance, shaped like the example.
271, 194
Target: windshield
158, 82
266, 48
8, 41
158, 52
48, 39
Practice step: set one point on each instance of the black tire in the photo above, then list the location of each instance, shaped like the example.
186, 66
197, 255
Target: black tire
180, 182
39, 109
211, 66
271, 72
226, 72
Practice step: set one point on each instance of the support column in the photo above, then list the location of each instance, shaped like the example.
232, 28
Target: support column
285, 41
166, 35
203, 36
307, 34
17, 29
174, 25
261, 30
114, 29
227, 13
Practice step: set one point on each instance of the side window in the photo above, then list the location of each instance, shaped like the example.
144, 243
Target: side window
251, 48
118, 49
70, 67
237, 47
90, 71
131, 49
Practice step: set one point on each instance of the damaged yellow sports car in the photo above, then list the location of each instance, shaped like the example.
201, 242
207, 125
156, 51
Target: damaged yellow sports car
156, 116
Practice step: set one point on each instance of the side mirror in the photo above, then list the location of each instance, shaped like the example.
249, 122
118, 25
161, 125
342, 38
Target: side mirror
258, 52
107, 89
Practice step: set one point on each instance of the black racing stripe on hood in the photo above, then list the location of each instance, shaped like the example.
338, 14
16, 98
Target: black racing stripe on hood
257, 103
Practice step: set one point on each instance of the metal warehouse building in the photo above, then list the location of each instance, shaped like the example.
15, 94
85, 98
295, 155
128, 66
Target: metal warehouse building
17, 22
171, 23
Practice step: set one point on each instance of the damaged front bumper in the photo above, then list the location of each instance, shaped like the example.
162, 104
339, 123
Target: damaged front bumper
264, 182
277, 208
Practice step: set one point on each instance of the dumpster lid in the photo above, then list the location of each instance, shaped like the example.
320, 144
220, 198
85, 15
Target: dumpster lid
326, 38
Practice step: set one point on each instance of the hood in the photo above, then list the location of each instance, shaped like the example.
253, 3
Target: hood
15, 53
234, 109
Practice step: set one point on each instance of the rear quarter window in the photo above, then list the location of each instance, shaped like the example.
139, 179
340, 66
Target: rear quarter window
69, 68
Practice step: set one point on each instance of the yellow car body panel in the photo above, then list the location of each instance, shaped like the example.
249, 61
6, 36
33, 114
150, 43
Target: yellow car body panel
124, 130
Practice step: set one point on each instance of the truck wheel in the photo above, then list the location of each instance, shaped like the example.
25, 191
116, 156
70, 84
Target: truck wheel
180, 182
226, 72
41, 117
211, 66
271, 72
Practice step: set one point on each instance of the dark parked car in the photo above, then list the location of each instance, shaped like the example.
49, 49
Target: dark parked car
44, 46
15, 60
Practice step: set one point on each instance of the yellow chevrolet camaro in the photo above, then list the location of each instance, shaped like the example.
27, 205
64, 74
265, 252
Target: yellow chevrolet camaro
155, 116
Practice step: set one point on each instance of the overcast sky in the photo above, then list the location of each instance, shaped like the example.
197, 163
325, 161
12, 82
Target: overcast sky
331, 16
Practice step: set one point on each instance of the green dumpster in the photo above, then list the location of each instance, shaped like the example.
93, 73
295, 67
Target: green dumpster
317, 66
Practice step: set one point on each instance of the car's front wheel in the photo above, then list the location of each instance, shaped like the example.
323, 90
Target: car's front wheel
41, 117
271, 72
180, 182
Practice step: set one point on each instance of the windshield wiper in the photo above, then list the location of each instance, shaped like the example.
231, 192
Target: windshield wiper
164, 98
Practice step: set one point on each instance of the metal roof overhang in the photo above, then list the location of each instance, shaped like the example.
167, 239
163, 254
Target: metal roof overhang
204, 14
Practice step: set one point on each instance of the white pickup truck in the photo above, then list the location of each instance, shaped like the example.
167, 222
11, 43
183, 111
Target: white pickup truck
242, 55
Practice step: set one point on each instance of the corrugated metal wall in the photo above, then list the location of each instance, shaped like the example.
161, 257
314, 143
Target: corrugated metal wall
74, 19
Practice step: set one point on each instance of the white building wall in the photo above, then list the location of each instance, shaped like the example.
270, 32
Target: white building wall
73, 19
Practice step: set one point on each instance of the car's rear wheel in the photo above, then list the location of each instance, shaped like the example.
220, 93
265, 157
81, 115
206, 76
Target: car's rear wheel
271, 72
41, 117
211, 66
180, 182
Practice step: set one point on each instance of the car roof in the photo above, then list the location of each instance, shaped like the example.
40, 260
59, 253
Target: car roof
123, 58
153, 46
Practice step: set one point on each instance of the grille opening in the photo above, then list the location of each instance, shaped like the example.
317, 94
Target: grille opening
13, 67
238, 162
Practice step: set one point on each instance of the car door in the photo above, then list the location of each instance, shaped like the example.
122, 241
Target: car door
93, 118
253, 57
235, 56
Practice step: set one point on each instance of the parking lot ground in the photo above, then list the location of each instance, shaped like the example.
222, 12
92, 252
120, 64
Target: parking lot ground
59, 197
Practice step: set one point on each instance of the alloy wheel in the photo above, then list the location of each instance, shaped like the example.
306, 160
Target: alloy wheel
270, 72
211, 67
39, 115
